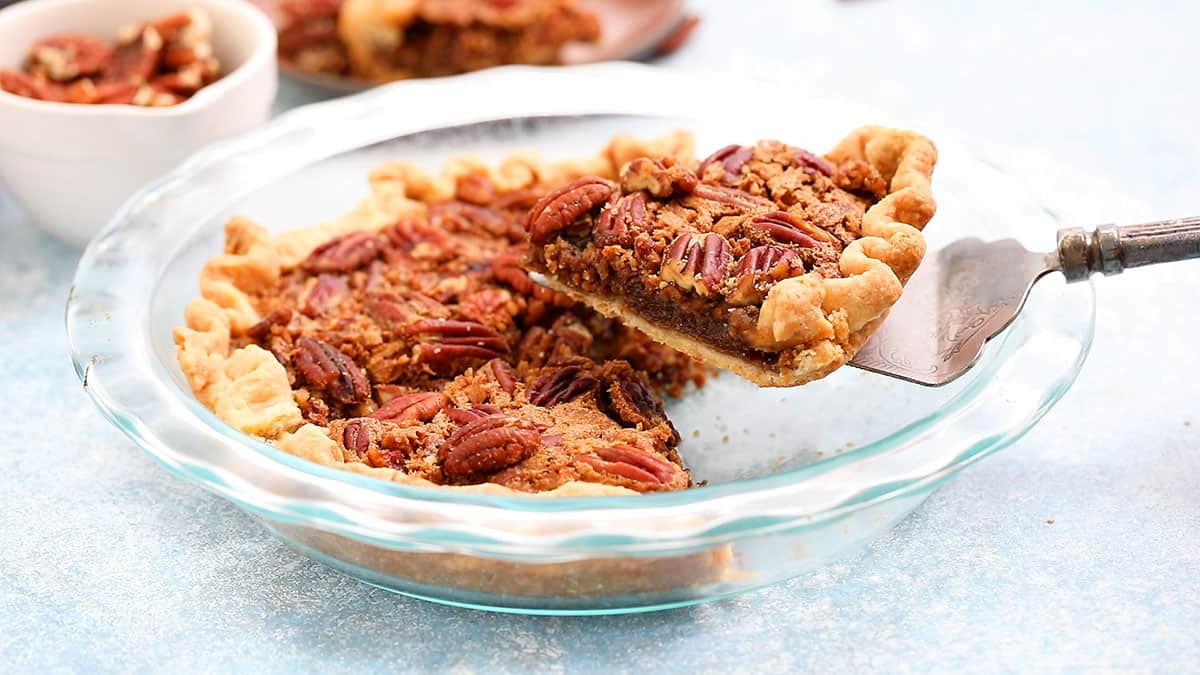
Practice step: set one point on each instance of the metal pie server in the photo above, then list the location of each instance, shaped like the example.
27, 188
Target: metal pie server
970, 291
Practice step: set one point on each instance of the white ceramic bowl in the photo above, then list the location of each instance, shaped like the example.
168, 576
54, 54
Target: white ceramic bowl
71, 166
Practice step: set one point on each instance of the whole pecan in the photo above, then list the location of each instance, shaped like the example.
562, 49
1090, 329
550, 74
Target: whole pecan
696, 261
505, 377
327, 292
396, 310
445, 341
560, 208
809, 160
405, 235
344, 253
488, 445
731, 159
464, 416
623, 214
758, 269
327, 368
561, 384
626, 462
420, 406
738, 199
660, 177
785, 227
455, 216
764, 260
357, 438
475, 189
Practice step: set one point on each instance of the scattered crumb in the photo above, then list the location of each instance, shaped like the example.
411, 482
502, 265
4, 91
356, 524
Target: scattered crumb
725, 438
851, 444
1187, 423
695, 433
745, 430
1049, 521
820, 453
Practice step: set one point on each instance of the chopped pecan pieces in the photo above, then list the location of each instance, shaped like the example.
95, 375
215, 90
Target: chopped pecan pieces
785, 227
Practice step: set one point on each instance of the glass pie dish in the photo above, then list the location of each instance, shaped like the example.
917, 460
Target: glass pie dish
793, 477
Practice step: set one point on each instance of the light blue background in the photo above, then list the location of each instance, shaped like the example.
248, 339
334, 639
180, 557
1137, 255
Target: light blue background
109, 564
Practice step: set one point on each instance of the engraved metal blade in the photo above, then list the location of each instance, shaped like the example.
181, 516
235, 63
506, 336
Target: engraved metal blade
961, 297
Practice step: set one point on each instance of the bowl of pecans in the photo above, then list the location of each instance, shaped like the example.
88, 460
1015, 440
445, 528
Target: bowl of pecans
97, 98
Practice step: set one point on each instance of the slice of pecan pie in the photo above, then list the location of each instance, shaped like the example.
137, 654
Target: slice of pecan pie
765, 260
386, 40
404, 341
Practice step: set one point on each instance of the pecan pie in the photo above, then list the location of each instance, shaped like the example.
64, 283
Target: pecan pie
766, 260
404, 341
383, 40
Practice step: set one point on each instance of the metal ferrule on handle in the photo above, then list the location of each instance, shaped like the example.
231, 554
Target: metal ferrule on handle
1111, 249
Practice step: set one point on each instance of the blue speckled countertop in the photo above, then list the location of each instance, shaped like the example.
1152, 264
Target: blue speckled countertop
1077, 548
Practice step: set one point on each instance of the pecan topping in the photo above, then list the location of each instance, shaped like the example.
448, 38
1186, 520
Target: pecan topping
464, 416
505, 269
758, 270
396, 310
731, 159
560, 208
488, 445
660, 177
420, 406
636, 465
357, 438
809, 160
406, 235
505, 377
468, 218
764, 260
788, 228
447, 340
278, 317
561, 385
344, 253
328, 368
475, 189
623, 214
329, 290
699, 262
738, 199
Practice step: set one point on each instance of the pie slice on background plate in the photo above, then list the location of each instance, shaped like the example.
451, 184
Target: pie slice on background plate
767, 260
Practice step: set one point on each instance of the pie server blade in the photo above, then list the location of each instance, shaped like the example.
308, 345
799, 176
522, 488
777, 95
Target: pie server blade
970, 291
